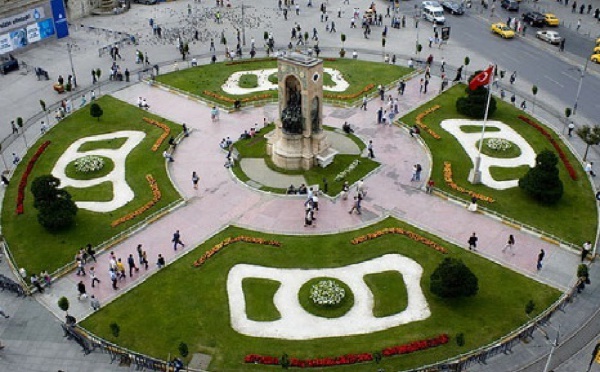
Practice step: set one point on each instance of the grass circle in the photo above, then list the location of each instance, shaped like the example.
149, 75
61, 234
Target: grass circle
248, 81
323, 311
72, 172
512, 152
273, 78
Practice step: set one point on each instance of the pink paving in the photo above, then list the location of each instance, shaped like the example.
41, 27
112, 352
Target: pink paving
222, 200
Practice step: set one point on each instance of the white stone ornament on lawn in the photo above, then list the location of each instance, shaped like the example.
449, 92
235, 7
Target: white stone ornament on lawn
232, 85
122, 193
297, 324
469, 142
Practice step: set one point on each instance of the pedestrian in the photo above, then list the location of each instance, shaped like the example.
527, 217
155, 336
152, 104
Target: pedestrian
356, 205
401, 87
3, 313
370, 149
82, 294
513, 98
177, 240
570, 129
16, 159
380, 115
513, 77
588, 168
430, 185
36, 283
421, 86
91, 252
345, 190
561, 48
160, 262
540, 259
131, 264
418, 172
93, 276
94, 303
43, 127
510, 244
113, 278
80, 266
585, 250
46, 278
473, 242
425, 84
195, 180
578, 24
121, 270
309, 217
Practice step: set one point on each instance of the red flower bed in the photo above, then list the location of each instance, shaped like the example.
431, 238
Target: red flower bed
351, 358
23, 183
397, 230
242, 238
554, 142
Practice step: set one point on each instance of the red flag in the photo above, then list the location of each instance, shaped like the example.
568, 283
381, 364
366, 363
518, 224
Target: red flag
482, 78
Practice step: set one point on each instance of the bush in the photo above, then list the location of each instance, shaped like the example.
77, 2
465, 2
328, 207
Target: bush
529, 307
473, 105
96, 111
542, 181
63, 303
460, 339
115, 329
183, 349
56, 210
452, 278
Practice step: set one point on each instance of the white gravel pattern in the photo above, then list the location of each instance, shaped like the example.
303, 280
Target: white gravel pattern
122, 193
232, 85
297, 324
469, 143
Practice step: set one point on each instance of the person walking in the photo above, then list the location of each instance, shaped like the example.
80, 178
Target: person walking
370, 149
356, 205
177, 240
81, 290
510, 244
113, 278
473, 242
93, 276
90, 252
363, 106
94, 303
131, 264
540, 258
585, 250
571, 128
588, 168
36, 283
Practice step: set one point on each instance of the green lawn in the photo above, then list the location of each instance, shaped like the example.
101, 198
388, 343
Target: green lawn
257, 148
198, 80
191, 304
576, 206
33, 247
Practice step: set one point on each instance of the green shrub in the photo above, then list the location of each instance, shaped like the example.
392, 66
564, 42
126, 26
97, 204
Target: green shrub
56, 210
183, 349
542, 182
529, 307
63, 303
96, 111
473, 105
452, 278
115, 329
460, 339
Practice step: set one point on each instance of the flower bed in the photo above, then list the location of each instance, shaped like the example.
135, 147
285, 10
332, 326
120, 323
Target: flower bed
364, 90
351, 358
255, 97
423, 126
156, 195
498, 144
242, 238
25, 176
340, 176
327, 293
554, 142
89, 163
454, 186
253, 60
163, 136
400, 231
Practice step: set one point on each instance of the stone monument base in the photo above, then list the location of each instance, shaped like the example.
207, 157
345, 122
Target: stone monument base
296, 151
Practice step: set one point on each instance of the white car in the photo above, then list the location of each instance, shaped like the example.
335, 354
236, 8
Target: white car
550, 36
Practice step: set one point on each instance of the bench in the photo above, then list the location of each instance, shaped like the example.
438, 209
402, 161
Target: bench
326, 157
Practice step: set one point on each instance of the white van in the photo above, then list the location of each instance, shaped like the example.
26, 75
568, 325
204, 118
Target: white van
434, 14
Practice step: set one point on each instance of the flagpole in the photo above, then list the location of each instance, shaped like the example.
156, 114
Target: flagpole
475, 174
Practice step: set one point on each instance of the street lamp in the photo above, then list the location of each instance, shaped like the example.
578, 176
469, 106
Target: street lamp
554, 346
243, 27
69, 46
580, 83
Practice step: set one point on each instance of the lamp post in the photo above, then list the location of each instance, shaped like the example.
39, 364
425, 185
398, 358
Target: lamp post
554, 345
243, 27
69, 46
580, 83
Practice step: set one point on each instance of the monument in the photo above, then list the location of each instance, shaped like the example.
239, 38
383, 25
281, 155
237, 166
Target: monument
298, 141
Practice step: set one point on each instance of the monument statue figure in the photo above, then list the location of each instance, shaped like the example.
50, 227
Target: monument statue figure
291, 115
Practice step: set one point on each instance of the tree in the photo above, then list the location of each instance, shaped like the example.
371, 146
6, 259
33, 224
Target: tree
63, 304
589, 135
20, 125
534, 90
56, 210
473, 105
96, 111
542, 182
452, 278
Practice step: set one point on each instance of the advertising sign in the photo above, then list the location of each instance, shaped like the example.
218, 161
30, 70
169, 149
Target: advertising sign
60, 18
5, 44
18, 38
22, 19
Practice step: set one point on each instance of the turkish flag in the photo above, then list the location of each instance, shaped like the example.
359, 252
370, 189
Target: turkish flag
482, 78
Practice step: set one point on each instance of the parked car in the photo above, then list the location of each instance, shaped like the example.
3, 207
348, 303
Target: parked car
549, 36
503, 30
9, 63
510, 5
551, 20
453, 7
427, 3
595, 58
534, 19
146, 2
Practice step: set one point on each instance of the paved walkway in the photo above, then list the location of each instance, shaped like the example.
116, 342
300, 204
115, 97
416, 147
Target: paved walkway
28, 349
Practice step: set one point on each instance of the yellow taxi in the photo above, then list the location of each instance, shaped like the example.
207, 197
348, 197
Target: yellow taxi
551, 19
503, 30
598, 41
595, 58
597, 50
